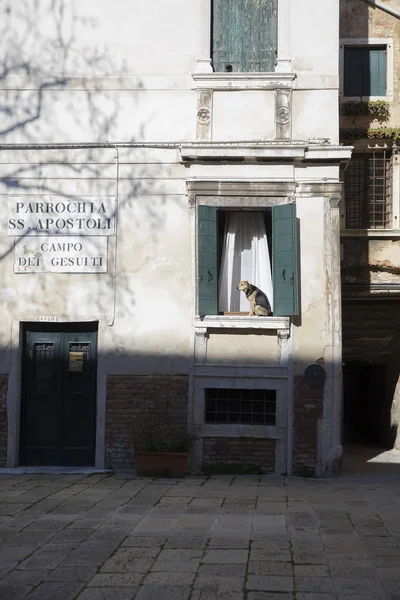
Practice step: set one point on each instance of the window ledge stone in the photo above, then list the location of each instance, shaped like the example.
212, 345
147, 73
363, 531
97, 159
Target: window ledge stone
370, 233
228, 322
234, 430
242, 81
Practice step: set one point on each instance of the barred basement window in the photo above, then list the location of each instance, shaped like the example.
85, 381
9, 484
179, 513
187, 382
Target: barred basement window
368, 187
252, 407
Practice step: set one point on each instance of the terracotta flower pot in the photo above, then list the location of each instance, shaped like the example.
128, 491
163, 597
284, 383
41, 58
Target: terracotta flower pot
170, 464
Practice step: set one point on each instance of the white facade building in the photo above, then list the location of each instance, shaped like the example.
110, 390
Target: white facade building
132, 134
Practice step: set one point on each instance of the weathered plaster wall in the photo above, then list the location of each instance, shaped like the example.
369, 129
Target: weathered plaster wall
371, 260
124, 73
244, 115
152, 217
313, 45
247, 347
309, 339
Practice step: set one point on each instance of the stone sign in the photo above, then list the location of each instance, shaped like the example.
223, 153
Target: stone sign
55, 215
56, 254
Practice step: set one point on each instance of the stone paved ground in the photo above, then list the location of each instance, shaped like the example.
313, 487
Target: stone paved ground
100, 537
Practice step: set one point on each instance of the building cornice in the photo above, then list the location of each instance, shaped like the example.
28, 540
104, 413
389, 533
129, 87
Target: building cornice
272, 150
242, 81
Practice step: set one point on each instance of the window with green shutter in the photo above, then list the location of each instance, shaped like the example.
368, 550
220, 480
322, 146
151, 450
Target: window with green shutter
364, 71
284, 260
244, 35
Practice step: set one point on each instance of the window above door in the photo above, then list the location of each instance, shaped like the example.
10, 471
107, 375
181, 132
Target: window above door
244, 36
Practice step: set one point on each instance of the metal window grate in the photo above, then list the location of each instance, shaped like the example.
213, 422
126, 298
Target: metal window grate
240, 406
369, 191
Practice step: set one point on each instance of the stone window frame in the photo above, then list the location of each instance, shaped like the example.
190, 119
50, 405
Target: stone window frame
234, 194
225, 378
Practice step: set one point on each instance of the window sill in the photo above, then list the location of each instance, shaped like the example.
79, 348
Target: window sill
390, 233
242, 81
245, 322
344, 99
275, 149
239, 430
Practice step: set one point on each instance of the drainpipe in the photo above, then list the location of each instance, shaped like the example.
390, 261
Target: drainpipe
388, 9
110, 322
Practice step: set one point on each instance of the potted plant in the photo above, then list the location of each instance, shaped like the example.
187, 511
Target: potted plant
161, 446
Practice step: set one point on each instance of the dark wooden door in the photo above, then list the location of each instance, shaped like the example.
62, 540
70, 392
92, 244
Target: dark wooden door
58, 411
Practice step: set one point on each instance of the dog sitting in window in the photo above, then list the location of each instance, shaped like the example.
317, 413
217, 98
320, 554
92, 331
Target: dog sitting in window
259, 303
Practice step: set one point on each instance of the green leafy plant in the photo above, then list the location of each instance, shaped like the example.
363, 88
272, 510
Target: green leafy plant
392, 133
305, 472
378, 109
160, 433
384, 132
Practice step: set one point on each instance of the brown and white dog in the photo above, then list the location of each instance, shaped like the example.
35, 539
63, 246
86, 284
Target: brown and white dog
259, 303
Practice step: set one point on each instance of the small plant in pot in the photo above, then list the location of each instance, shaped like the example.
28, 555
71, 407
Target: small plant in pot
161, 446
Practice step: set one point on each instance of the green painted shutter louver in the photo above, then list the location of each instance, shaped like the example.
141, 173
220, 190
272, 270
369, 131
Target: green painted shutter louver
377, 71
244, 35
285, 260
207, 260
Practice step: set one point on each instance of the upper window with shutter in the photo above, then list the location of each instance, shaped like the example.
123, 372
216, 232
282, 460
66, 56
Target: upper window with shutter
365, 71
244, 35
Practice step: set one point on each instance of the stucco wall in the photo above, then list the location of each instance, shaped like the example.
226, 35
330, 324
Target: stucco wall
371, 261
123, 72
247, 347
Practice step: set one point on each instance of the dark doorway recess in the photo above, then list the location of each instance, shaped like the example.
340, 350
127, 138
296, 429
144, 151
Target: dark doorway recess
58, 399
363, 411
371, 371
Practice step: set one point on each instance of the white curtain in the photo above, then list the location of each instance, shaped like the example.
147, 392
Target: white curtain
245, 256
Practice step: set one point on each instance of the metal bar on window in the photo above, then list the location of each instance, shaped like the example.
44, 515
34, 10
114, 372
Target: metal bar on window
245, 406
369, 191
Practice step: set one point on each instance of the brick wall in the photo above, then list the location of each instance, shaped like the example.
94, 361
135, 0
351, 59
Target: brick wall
3, 419
257, 452
307, 408
130, 396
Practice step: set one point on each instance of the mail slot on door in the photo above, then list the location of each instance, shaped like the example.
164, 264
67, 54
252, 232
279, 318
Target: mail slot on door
76, 362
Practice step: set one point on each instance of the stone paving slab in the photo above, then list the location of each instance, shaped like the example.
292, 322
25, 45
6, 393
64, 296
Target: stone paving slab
102, 536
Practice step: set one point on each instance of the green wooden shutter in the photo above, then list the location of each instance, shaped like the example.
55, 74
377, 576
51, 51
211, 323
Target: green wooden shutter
353, 72
207, 260
377, 72
285, 260
244, 35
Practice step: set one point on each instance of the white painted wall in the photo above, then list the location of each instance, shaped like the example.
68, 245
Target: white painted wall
96, 72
